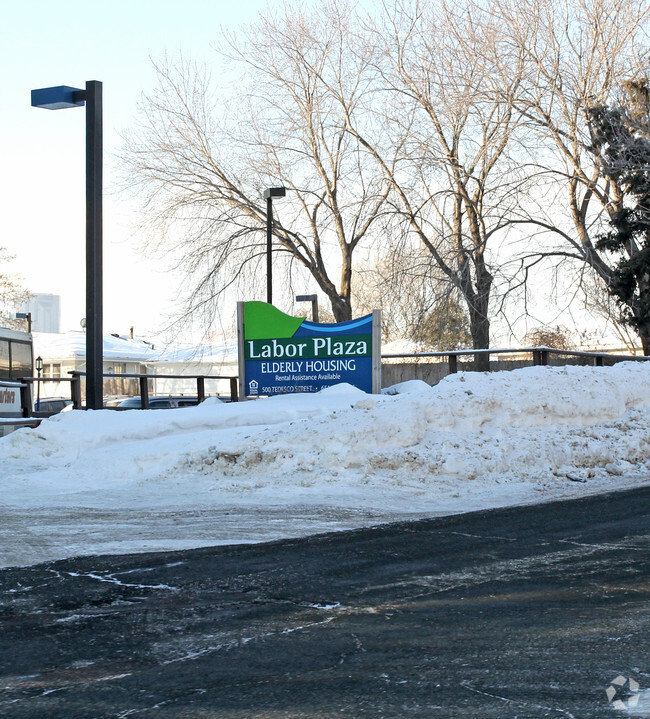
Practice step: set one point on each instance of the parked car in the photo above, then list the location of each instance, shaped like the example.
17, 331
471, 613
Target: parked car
156, 402
52, 405
115, 399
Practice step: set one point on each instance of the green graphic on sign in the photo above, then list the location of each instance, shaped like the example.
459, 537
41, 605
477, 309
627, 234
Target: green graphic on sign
264, 321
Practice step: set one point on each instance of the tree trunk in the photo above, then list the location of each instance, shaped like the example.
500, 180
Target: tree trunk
479, 323
642, 327
480, 330
341, 308
645, 340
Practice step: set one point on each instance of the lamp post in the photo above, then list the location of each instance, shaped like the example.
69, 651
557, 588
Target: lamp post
57, 98
269, 194
27, 316
314, 304
39, 369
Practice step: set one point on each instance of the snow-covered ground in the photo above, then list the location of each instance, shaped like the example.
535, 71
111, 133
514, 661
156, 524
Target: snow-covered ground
104, 482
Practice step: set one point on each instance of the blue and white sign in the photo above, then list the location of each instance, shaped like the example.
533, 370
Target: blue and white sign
281, 354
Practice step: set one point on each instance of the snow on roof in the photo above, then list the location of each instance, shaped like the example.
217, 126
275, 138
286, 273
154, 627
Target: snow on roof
214, 353
51, 346
68, 345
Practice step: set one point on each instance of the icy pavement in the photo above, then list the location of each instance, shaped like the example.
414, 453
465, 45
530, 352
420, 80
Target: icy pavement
38, 535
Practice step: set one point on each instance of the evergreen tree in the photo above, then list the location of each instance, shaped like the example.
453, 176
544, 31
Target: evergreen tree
621, 138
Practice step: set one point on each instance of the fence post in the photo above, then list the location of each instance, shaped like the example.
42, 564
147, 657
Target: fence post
144, 391
234, 396
599, 361
75, 390
200, 389
453, 364
540, 357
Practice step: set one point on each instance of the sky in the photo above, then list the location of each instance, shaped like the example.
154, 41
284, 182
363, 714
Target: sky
294, 465
42, 187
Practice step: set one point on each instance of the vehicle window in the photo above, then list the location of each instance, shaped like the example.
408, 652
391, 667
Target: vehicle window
21, 360
187, 402
159, 403
134, 402
52, 405
4, 359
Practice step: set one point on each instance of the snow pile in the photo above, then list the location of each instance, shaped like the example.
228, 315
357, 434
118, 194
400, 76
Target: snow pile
521, 425
526, 426
474, 440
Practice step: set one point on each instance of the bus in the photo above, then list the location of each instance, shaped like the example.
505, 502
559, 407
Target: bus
16, 354
16, 361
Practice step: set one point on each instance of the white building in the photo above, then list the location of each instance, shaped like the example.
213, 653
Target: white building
45, 311
213, 359
64, 353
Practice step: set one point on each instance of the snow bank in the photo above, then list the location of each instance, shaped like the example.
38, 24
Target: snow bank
474, 440
529, 422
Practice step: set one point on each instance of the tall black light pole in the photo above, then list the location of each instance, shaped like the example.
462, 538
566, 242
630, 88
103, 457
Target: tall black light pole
269, 194
57, 98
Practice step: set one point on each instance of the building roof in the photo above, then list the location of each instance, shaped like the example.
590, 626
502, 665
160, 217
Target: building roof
225, 352
70, 345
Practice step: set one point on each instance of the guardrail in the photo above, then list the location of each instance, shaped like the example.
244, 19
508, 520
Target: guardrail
541, 355
18, 415
27, 400
23, 391
26, 384
144, 379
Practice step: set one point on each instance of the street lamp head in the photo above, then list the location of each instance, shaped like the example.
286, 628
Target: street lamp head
58, 98
275, 192
39, 364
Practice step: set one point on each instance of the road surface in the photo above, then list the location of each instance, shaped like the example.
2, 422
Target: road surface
521, 613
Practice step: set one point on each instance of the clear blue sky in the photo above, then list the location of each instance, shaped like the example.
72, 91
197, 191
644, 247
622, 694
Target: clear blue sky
45, 43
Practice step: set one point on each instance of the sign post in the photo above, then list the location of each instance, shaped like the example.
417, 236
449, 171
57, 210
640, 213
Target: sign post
281, 354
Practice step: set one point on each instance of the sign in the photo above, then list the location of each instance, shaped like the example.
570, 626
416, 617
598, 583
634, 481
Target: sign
10, 401
280, 354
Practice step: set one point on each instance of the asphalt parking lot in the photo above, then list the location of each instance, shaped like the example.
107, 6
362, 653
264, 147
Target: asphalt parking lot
524, 612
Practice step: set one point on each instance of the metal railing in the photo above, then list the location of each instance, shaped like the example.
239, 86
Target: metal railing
144, 379
25, 396
541, 355
26, 384
27, 399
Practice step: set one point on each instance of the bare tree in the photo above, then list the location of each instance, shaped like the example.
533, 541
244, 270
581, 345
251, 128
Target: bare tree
416, 300
448, 109
578, 53
557, 337
12, 294
202, 167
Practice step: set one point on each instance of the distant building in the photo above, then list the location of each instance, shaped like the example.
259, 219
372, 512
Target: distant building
46, 313
63, 353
